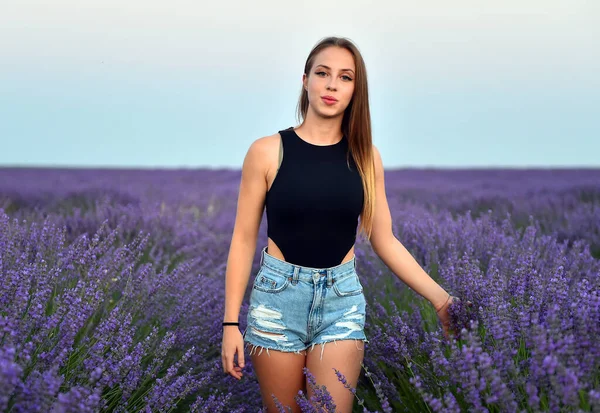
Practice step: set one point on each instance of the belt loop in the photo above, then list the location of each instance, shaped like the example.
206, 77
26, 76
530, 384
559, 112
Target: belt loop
295, 277
262, 255
329, 277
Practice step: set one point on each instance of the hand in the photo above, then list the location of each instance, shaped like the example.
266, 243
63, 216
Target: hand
233, 342
444, 315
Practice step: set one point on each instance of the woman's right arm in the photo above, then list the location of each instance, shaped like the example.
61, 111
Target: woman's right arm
250, 206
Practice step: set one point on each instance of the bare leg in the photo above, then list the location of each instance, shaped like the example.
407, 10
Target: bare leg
344, 355
279, 373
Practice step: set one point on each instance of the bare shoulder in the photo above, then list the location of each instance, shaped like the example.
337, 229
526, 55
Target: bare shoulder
266, 149
261, 148
376, 154
378, 162
262, 156
267, 143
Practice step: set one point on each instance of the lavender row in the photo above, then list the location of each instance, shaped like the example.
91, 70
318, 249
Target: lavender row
112, 288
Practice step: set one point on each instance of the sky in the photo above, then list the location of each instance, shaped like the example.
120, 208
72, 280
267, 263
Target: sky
189, 84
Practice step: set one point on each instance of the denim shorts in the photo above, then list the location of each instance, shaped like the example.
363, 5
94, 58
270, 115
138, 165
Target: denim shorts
298, 307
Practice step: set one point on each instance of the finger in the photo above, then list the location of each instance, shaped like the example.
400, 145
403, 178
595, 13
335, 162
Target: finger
229, 363
235, 372
240, 353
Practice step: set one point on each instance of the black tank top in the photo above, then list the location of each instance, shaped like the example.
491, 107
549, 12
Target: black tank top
314, 202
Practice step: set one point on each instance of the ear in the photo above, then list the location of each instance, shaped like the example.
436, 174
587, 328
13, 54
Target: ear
304, 81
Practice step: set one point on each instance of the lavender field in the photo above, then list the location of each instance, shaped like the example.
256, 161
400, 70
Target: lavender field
112, 293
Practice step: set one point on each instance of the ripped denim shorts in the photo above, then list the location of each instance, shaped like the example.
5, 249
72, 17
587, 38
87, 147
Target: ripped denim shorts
293, 307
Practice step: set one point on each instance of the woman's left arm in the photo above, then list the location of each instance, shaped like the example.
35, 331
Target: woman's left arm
393, 253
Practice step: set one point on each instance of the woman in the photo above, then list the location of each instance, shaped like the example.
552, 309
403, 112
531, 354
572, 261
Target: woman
315, 180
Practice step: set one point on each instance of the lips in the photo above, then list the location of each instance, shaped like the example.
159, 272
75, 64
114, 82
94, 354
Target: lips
330, 98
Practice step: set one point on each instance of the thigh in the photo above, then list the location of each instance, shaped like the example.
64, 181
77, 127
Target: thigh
344, 355
279, 373
276, 327
339, 342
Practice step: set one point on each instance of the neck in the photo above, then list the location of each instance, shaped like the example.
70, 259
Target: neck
321, 130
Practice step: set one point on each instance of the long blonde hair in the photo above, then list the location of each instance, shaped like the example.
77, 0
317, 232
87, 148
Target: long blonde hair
356, 125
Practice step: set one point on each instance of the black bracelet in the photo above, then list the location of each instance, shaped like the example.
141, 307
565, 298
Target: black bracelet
230, 323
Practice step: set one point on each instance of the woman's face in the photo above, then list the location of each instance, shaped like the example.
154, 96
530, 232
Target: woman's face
329, 77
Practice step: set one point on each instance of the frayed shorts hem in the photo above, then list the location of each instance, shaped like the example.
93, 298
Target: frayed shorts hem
311, 346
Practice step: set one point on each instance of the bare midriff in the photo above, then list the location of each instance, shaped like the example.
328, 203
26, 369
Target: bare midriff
273, 249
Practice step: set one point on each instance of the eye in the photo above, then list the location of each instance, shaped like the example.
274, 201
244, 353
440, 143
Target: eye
347, 77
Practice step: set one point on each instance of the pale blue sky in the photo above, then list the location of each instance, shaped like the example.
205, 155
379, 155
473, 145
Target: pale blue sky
191, 84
